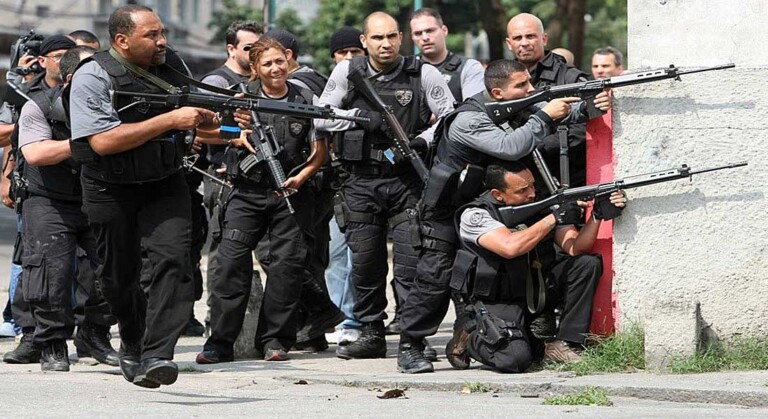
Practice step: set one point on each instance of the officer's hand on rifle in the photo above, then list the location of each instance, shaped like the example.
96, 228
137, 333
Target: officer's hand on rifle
419, 145
187, 117
375, 120
243, 118
569, 213
609, 207
603, 100
243, 142
294, 182
559, 108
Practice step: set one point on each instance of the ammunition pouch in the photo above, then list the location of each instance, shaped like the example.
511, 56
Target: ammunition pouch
411, 215
19, 190
349, 145
340, 210
463, 272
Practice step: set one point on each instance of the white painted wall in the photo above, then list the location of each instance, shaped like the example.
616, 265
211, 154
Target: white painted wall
705, 240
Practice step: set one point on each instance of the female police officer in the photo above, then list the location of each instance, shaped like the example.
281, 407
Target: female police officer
255, 209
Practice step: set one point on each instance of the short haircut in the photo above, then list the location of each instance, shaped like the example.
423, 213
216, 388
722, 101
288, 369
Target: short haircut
374, 14
258, 48
497, 73
71, 59
121, 20
494, 174
427, 12
242, 25
84, 36
618, 57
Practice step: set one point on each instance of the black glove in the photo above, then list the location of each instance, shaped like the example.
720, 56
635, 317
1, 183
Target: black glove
376, 121
568, 213
419, 145
603, 209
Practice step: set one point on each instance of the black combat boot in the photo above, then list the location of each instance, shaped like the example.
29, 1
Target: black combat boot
410, 359
130, 359
429, 352
370, 344
27, 352
55, 356
93, 340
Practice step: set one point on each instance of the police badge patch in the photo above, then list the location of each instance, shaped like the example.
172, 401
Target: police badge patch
296, 128
437, 92
404, 96
93, 103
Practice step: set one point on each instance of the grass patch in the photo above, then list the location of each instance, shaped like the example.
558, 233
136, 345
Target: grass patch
621, 352
738, 354
476, 387
590, 396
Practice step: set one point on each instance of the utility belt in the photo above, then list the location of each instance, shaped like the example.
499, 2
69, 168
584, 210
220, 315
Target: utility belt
379, 169
344, 216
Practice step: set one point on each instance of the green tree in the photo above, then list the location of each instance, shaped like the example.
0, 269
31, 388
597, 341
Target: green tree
230, 12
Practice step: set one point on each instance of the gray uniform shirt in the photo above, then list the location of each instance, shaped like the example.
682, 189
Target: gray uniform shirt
33, 127
474, 223
433, 87
6, 116
472, 78
90, 103
476, 130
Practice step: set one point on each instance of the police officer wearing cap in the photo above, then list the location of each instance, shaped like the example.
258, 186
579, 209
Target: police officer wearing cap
134, 192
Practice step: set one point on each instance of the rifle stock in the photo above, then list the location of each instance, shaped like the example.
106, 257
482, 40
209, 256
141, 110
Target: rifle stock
402, 144
502, 111
514, 215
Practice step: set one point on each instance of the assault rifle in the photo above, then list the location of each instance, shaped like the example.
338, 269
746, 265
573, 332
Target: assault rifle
502, 111
402, 147
226, 105
514, 215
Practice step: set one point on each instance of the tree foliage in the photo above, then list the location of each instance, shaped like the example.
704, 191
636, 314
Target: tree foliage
230, 12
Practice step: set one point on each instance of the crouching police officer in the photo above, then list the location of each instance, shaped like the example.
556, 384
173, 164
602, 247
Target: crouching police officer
499, 266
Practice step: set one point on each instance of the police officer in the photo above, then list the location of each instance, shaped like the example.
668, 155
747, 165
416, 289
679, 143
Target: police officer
134, 192
54, 224
379, 192
503, 259
469, 141
526, 39
254, 209
463, 75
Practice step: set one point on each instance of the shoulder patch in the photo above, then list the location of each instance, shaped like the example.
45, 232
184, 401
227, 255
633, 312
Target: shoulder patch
437, 92
93, 103
331, 86
476, 219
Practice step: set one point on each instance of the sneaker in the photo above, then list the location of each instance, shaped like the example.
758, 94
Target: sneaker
194, 328
26, 352
429, 352
210, 356
559, 351
411, 360
348, 336
7, 330
54, 356
93, 341
275, 354
370, 344
456, 349
333, 337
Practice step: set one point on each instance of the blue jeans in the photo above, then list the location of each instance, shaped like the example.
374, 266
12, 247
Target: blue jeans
337, 276
15, 276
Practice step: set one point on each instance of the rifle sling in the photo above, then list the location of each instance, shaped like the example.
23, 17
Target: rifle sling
541, 301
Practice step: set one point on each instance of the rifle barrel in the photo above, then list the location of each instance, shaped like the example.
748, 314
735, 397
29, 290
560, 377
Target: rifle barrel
726, 166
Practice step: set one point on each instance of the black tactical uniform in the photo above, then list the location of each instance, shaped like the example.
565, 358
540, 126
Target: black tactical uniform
54, 226
552, 70
139, 198
252, 211
502, 286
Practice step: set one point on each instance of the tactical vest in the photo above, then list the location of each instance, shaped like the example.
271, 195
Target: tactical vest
312, 78
451, 70
451, 159
291, 132
156, 159
216, 151
61, 180
553, 70
489, 277
403, 94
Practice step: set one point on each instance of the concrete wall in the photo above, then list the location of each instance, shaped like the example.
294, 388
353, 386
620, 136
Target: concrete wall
684, 248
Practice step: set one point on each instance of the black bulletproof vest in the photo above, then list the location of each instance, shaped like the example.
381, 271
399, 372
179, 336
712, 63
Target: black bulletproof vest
290, 131
312, 78
403, 94
61, 180
451, 70
156, 159
497, 279
215, 151
452, 157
